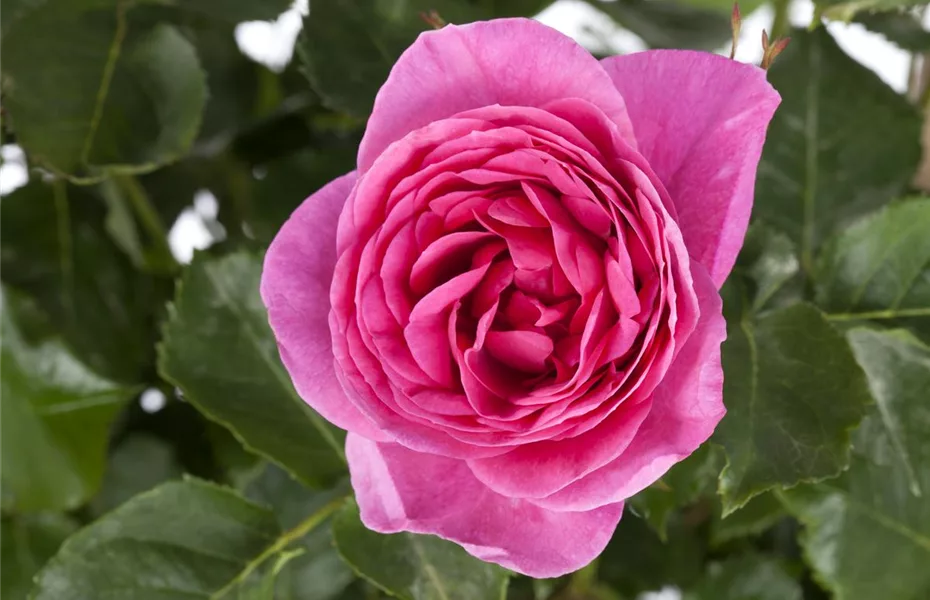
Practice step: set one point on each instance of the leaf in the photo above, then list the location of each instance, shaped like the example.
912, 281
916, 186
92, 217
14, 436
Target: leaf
845, 10
54, 247
415, 567
684, 484
867, 533
667, 24
182, 539
347, 47
56, 416
130, 99
880, 268
317, 572
218, 348
11, 10
756, 516
898, 369
138, 464
288, 181
841, 144
637, 560
901, 28
26, 542
768, 259
233, 11
793, 391
746, 577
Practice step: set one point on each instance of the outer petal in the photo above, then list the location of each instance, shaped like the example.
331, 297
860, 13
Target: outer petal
295, 285
686, 408
517, 62
401, 490
700, 121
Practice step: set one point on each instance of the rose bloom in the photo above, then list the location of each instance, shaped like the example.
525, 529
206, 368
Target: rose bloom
511, 305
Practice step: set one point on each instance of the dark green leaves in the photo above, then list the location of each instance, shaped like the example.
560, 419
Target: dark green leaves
53, 246
349, 46
130, 99
234, 11
178, 540
56, 415
219, 349
868, 533
26, 542
793, 391
880, 268
667, 24
841, 144
415, 567
748, 577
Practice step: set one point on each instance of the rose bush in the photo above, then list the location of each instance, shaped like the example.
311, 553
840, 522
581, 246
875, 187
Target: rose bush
511, 305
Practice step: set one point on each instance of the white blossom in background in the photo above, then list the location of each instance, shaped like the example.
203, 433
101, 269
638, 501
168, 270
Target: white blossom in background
190, 231
272, 43
13, 173
152, 400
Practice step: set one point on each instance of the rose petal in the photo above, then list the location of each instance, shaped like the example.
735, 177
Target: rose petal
522, 350
517, 62
703, 141
401, 490
297, 274
686, 408
542, 468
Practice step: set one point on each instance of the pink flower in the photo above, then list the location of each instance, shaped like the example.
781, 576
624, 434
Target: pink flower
512, 304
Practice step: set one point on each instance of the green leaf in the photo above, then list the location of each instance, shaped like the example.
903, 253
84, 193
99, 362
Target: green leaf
867, 533
13, 9
415, 567
26, 542
667, 24
130, 99
137, 464
53, 246
56, 416
182, 539
288, 181
233, 11
793, 391
880, 268
746, 577
219, 350
637, 560
347, 47
845, 10
898, 369
768, 259
684, 484
756, 516
317, 572
841, 144
901, 28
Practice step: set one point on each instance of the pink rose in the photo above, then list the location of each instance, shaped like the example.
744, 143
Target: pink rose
512, 304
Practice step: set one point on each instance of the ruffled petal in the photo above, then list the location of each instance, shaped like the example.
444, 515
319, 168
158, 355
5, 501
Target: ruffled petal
402, 490
295, 285
515, 62
700, 121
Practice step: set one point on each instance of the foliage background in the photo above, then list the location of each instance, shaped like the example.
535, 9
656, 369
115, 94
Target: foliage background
154, 448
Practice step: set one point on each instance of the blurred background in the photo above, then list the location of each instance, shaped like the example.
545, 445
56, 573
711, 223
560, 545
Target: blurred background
271, 43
